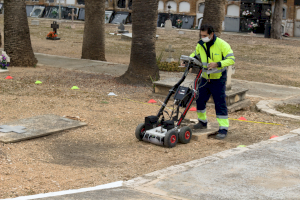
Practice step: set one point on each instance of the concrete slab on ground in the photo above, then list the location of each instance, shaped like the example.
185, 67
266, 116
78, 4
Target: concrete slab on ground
38, 126
268, 172
203, 134
113, 69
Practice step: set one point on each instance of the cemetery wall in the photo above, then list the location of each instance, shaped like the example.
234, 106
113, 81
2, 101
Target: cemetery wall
178, 5
291, 22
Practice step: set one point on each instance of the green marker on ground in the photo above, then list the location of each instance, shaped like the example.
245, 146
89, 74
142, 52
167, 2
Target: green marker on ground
38, 82
75, 88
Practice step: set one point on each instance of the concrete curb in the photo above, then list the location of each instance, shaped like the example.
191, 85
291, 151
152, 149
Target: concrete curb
66, 192
167, 172
268, 106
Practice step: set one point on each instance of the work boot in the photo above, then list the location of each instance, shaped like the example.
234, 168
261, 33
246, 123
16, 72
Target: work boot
221, 134
200, 125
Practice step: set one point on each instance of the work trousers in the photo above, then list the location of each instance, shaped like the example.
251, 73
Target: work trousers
216, 88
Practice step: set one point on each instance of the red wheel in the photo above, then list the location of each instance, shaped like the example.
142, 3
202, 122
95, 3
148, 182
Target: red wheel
185, 135
171, 139
140, 131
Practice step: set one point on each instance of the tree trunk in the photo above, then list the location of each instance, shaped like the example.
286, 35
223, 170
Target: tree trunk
214, 14
277, 20
93, 46
17, 43
142, 67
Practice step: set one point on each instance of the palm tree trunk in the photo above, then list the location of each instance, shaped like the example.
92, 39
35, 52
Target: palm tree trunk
142, 67
214, 14
93, 46
17, 43
277, 20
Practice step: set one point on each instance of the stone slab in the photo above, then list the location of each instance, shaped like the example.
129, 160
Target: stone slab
35, 22
128, 36
114, 34
239, 105
203, 134
123, 31
39, 126
3, 70
235, 95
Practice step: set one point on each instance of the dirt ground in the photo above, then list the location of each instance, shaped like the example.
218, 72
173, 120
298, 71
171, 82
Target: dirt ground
106, 150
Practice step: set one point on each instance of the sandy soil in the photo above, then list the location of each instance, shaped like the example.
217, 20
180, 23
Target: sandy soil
106, 150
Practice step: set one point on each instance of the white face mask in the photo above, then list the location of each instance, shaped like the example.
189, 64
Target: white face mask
206, 39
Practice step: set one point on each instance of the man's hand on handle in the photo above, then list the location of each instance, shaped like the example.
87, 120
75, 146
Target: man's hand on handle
212, 65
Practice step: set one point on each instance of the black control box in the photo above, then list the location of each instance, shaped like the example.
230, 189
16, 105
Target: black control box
183, 94
150, 122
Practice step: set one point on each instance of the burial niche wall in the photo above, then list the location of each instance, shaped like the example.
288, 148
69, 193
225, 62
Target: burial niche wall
233, 10
173, 5
298, 14
284, 9
72, 2
161, 6
80, 2
201, 7
130, 5
121, 3
184, 7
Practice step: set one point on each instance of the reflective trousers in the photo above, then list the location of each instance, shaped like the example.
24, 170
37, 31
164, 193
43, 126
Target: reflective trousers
216, 88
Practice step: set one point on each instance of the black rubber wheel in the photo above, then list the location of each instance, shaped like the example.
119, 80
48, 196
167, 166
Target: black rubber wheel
140, 131
171, 139
185, 135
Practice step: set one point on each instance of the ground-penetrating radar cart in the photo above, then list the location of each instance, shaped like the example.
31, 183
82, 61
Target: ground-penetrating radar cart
167, 132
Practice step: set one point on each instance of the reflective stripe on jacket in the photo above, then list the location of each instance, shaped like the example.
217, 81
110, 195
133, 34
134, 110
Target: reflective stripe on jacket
220, 51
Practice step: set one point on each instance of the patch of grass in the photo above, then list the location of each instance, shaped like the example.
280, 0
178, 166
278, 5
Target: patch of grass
80, 31
293, 109
104, 102
171, 67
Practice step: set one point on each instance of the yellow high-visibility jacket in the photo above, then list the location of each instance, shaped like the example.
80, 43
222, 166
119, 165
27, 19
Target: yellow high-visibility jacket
220, 52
